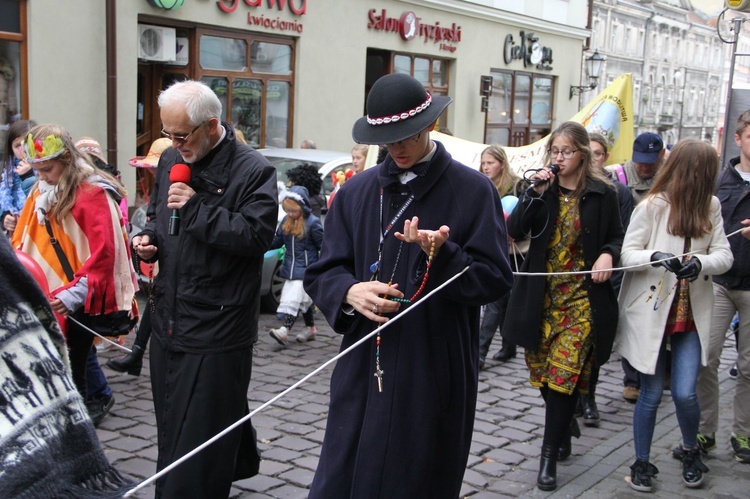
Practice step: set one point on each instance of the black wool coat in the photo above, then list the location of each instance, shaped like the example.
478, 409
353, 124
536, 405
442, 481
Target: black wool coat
413, 439
205, 315
601, 232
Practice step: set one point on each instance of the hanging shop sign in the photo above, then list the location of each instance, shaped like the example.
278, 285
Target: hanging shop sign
261, 19
530, 51
409, 26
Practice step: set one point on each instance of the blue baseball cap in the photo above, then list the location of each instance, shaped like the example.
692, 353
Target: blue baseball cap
647, 147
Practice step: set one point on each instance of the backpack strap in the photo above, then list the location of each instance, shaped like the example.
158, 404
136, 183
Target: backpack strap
60, 253
620, 172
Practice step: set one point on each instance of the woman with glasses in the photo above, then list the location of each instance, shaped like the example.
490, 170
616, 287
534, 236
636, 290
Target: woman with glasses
667, 305
566, 320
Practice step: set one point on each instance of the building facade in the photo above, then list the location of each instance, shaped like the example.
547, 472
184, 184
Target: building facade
677, 60
288, 70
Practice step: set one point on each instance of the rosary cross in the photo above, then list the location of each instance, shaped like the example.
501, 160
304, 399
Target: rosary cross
379, 374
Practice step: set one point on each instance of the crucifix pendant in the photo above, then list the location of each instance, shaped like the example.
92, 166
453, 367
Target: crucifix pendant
379, 374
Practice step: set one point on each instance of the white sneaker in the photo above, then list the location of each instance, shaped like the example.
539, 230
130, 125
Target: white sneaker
280, 334
307, 335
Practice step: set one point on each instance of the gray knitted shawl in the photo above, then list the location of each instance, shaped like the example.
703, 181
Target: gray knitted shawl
48, 445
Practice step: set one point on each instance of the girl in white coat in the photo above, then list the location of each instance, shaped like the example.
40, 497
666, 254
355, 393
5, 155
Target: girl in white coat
667, 305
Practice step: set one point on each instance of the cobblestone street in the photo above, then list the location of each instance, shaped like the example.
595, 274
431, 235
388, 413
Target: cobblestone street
507, 431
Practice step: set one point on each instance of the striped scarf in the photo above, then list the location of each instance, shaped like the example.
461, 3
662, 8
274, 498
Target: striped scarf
94, 240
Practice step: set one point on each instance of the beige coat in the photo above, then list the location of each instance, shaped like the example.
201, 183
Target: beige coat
641, 328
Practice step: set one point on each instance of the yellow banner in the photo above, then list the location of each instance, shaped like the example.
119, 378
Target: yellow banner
610, 114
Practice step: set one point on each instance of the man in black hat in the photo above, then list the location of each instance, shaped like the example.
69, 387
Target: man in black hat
402, 404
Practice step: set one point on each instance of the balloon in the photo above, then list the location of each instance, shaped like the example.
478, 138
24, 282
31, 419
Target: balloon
38, 274
509, 203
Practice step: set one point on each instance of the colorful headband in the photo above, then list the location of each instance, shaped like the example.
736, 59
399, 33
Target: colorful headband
385, 120
38, 150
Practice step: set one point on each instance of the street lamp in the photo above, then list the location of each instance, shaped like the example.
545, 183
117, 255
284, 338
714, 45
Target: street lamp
593, 68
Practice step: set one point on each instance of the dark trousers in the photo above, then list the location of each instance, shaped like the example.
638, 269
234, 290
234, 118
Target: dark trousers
494, 316
631, 377
96, 382
79, 343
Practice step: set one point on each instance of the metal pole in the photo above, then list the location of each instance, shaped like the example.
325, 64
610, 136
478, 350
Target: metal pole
737, 25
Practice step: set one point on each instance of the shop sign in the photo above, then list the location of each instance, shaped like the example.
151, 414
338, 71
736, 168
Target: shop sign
409, 26
530, 51
297, 7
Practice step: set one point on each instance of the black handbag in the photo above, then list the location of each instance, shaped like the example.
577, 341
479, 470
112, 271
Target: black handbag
113, 324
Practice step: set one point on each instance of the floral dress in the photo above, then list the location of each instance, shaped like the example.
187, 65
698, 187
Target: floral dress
565, 357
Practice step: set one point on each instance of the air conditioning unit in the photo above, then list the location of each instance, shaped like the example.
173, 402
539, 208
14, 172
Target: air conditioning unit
157, 43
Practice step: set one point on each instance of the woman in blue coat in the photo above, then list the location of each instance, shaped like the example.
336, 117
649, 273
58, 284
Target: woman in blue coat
302, 234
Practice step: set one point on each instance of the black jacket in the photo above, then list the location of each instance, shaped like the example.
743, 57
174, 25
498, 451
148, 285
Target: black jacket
734, 194
601, 232
208, 286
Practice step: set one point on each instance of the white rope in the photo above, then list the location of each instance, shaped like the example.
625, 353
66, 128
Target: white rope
291, 388
121, 347
581, 272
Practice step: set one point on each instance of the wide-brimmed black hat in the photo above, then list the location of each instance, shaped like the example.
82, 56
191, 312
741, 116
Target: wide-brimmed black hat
397, 108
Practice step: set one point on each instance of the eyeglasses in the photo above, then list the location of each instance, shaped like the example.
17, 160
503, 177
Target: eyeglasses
181, 138
413, 139
566, 153
599, 154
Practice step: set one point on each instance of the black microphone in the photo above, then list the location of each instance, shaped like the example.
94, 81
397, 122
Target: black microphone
553, 169
180, 172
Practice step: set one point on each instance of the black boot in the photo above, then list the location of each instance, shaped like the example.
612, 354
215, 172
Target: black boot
507, 352
566, 447
547, 479
131, 363
590, 411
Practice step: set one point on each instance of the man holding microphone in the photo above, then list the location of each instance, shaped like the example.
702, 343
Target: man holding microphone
212, 216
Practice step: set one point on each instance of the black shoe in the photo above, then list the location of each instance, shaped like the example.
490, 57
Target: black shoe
506, 353
579, 407
481, 364
706, 443
547, 478
132, 363
100, 407
693, 468
641, 474
590, 411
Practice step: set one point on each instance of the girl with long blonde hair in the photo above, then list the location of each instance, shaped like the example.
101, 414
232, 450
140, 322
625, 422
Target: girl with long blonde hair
72, 226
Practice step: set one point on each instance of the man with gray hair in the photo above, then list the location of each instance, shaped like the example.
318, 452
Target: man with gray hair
205, 303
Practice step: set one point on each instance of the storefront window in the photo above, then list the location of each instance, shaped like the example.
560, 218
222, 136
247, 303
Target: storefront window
277, 114
519, 108
542, 101
12, 55
228, 54
246, 111
402, 64
422, 70
521, 100
439, 74
431, 72
10, 81
219, 86
10, 21
271, 58
498, 110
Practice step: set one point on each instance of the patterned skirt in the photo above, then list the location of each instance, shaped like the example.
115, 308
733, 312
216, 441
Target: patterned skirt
565, 355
